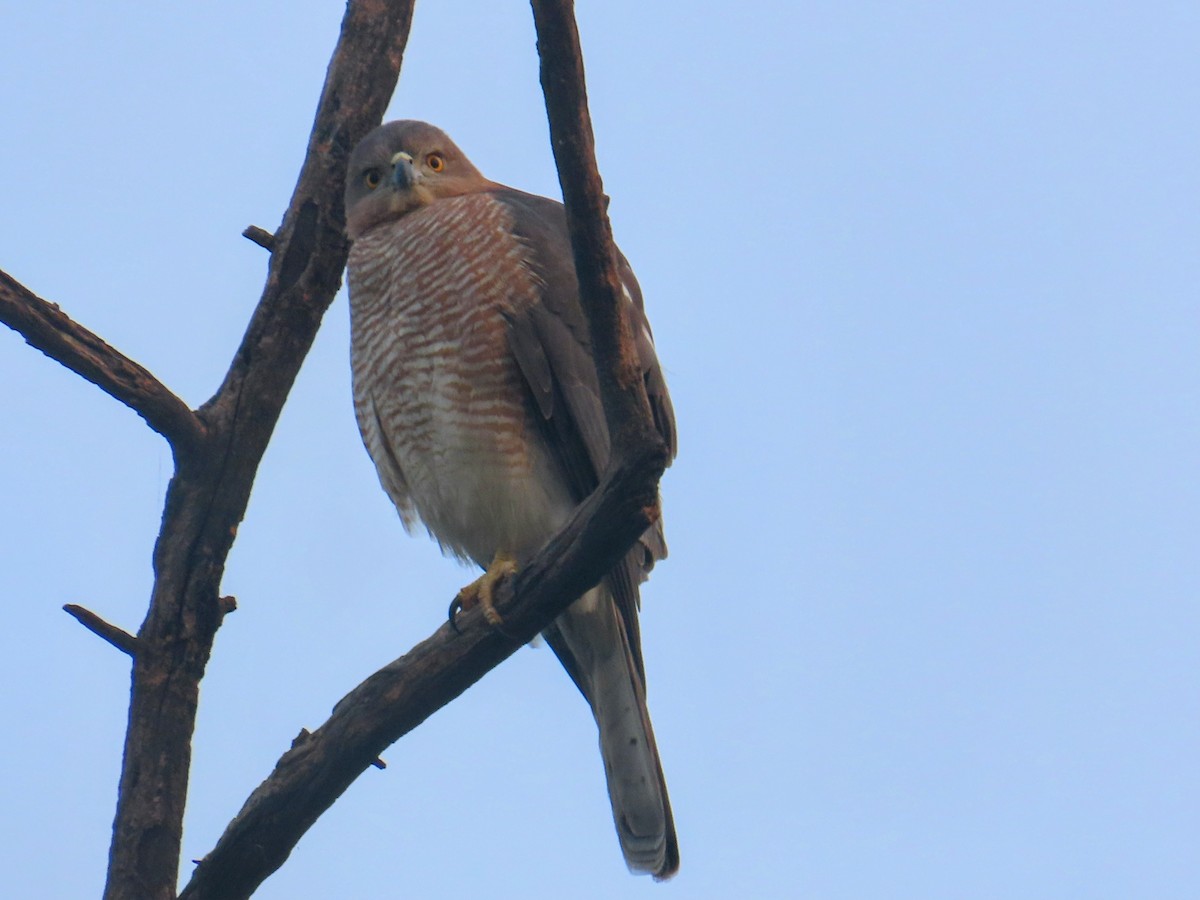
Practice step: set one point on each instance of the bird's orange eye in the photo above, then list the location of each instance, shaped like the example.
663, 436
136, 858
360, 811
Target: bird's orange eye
372, 178
435, 162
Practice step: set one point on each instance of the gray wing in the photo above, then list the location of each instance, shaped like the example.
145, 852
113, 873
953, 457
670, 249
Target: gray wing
551, 346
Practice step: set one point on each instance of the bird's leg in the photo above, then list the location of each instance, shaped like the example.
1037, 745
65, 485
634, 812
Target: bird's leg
482, 591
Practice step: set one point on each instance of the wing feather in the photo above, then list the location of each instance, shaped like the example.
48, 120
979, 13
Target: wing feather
552, 349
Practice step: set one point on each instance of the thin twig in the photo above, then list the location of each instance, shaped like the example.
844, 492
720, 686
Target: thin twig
260, 236
118, 637
49, 329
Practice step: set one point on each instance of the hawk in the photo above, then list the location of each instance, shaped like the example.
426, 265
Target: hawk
477, 398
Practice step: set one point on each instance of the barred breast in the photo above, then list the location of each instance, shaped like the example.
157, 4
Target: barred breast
439, 399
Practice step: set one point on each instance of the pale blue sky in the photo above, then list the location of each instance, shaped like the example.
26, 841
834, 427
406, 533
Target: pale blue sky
926, 281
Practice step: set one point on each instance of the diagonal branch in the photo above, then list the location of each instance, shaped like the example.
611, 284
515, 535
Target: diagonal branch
396, 699
118, 637
49, 329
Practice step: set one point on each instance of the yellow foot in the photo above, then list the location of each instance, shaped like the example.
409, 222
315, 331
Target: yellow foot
482, 591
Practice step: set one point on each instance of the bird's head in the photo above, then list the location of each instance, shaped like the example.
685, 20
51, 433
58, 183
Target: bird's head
402, 166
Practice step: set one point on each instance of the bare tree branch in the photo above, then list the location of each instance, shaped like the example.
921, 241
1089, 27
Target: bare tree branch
207, 497
260, 236
49, 329
621, 387
118, 637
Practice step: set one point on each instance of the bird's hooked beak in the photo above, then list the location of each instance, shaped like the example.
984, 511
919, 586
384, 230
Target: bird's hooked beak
404, 176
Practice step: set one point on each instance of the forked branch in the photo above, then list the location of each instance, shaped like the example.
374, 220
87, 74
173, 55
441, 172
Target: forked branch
208, 496
224, 443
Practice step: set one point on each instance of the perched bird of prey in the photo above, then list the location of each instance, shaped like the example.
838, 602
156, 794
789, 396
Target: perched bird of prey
477, 398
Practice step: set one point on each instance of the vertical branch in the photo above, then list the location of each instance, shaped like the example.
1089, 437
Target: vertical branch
208, 495
622, 391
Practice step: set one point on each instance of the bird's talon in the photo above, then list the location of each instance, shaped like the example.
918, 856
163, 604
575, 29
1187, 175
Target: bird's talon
482, 592
452, 614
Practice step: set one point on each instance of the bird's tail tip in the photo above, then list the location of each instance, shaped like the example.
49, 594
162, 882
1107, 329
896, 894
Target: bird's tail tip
655, 853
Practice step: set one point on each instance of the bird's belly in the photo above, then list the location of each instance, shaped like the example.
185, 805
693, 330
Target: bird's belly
477, 471
438, 394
